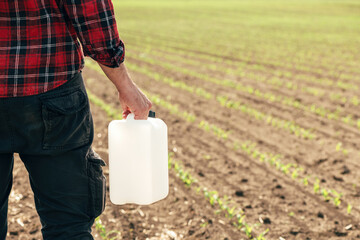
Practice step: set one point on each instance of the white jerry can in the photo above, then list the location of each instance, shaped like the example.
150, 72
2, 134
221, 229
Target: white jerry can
138, 160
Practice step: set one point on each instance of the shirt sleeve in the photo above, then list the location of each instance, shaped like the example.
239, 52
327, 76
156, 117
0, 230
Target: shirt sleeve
95, 26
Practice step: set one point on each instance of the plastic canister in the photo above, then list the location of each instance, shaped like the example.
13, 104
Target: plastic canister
138, 160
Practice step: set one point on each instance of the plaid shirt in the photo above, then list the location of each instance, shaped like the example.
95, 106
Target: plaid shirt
39, 48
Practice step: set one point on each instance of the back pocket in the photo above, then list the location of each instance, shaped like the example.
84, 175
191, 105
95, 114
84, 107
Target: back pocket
67, 120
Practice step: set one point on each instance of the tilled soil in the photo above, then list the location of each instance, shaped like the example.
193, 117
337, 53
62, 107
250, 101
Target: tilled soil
268, 197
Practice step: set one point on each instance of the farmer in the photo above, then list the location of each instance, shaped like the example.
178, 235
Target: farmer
44, 109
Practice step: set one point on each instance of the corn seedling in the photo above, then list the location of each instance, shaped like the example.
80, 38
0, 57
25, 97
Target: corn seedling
336, 198
349, 208
316, 185
104, 234
262, 235
325, 194
220, 133
305, 181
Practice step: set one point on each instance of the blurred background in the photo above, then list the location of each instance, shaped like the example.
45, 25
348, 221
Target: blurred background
261, 100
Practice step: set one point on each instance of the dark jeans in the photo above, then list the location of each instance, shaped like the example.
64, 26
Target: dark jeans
53, 132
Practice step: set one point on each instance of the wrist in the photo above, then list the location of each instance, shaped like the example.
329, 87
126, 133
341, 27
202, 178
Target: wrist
119, 76
123, 83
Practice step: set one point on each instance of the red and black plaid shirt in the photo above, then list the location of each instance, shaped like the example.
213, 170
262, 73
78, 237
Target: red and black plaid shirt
39, 48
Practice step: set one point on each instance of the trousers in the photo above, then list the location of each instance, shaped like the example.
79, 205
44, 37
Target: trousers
52, 132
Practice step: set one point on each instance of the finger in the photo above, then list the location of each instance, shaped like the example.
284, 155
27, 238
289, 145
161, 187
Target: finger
122, 103
141, 116
126, 113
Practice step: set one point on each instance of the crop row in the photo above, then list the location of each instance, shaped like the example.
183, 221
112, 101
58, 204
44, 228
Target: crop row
248, 57
273, 81
224, 101
252, 70
289, 126
276, 122
290, 169
337, 115
270, 158
224, 204
271, 55
258, 73
293, 170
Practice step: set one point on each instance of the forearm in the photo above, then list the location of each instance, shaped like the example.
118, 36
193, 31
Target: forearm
100, 41
130, 96
119, 76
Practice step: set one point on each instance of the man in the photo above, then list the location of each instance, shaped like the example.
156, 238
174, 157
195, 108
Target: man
44, 109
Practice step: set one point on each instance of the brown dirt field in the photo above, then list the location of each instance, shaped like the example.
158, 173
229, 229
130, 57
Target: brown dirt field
246, 133
301, 96
264, 193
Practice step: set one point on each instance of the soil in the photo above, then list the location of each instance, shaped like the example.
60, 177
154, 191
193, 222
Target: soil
268, 197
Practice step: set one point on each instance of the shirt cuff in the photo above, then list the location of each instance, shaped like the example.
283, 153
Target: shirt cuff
110, 57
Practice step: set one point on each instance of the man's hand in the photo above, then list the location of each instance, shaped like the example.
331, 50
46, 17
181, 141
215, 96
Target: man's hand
131, 98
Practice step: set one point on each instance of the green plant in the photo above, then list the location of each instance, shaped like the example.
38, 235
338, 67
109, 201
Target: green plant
220, 133
317, 185
104, 234
336, 198
349, 208
204, 224
261, 236
305, 181
248, 230
338, 147
325, 194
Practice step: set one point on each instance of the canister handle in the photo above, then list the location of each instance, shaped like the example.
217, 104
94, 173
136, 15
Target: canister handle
130, 117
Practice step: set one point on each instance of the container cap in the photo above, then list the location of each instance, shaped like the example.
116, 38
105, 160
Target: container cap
151, 114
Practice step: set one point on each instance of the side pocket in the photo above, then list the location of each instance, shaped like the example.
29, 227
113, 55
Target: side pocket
97, 184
